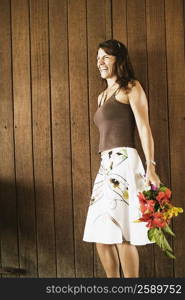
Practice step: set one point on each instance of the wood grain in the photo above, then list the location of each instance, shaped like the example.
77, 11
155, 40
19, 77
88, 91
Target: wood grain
119, 20
60, 113
23, 137
8, 195
80, 143
42, 144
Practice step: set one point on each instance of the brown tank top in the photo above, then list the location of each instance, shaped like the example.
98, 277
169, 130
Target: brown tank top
116, 124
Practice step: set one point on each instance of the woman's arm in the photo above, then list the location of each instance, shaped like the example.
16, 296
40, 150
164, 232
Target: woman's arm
139, 105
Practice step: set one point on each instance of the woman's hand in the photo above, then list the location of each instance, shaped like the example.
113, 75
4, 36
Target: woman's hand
152, 177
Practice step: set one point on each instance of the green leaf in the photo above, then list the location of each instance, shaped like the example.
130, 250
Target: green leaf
151, 234
169, 254
164, 243
147, 194
162, 188
168, 230
157, 206
156, 235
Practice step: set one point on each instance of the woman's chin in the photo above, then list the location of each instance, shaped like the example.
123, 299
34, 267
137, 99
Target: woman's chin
104, 76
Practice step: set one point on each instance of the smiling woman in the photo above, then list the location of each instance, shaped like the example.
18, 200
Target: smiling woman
106, 64
114, 63
114, 205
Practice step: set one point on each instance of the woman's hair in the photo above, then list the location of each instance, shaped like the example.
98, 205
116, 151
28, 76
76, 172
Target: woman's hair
123, 67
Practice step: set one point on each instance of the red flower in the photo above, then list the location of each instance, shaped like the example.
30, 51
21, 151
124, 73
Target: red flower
156, 220
163, 197
145, 218
160, 196
142, 198
168, 193
153, 220
147, 207
152, 214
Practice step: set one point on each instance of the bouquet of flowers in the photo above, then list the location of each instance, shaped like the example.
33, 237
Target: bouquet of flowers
157, 211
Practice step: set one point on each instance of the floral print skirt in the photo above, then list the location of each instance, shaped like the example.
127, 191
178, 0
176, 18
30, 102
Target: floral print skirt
114, 205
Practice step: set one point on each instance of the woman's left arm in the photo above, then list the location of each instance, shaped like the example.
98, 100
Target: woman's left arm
139, 105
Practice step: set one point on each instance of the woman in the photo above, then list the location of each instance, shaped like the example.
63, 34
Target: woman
114, 204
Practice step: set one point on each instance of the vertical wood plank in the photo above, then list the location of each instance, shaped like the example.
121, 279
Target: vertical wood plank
23, 137
8, 204
61, 138
119, 20
176, 96
136, 27
42, 151
136, 30
79, 131
157, 80
108, 18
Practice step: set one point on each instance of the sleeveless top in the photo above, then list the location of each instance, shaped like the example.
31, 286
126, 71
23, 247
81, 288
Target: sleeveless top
116, 123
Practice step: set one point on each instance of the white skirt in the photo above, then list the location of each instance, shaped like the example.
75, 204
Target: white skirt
114, 205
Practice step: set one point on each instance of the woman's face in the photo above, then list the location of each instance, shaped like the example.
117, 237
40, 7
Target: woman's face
106, 64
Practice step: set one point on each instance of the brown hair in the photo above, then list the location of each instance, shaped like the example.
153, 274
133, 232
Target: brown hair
123, 67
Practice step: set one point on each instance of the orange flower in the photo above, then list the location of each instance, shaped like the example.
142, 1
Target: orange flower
163, 197
160, 196
147, 207
142, 198
156, 220
168, 193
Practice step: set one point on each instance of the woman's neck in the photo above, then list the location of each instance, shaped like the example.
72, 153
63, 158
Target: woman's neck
111, 82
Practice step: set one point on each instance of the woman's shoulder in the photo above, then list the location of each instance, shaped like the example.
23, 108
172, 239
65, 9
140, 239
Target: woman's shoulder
135, 86
137, 95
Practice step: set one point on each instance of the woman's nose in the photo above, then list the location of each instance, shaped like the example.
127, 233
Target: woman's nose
100, 62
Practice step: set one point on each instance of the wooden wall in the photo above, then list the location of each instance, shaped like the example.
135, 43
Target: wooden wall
48, 142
